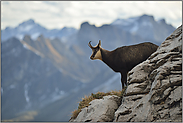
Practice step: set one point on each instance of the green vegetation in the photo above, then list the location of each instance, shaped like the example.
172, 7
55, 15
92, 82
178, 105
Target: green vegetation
99, 95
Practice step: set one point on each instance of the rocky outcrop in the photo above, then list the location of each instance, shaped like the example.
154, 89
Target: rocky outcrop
100, 110
154, 92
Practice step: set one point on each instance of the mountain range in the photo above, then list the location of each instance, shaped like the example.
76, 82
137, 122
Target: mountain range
48, 71
33, 29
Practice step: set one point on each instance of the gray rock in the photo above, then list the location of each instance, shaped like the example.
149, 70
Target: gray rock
100, 110
154, 90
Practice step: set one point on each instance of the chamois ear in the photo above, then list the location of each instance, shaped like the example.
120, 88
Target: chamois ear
99, 44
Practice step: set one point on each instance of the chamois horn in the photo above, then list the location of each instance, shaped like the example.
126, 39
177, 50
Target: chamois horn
89, 44
99, 43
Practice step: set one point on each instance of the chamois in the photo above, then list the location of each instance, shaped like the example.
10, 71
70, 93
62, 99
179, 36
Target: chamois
124, 58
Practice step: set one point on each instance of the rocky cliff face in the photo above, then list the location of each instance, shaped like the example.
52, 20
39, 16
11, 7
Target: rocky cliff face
154, 92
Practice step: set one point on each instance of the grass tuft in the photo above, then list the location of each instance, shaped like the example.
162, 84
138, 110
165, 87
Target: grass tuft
99, 95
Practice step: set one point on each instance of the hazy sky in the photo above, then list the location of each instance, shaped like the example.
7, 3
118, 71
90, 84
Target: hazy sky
57, 14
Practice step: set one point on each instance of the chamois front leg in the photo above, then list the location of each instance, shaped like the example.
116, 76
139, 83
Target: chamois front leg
123, 79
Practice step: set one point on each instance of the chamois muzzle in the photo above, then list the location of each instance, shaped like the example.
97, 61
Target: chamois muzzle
91, 57
96, 54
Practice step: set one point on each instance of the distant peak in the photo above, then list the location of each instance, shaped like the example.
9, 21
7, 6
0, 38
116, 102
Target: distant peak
66, 28
145, 16
8, 28
30, 21
84, 23
162, 20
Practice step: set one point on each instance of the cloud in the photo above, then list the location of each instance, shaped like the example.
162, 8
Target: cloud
57, 14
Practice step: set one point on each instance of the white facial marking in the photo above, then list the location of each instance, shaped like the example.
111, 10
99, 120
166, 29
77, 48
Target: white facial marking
98, 55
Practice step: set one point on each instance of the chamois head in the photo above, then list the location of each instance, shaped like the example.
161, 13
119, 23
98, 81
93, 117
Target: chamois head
96, 53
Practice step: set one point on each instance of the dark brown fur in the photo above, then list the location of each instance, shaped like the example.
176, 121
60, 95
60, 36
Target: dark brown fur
123, 59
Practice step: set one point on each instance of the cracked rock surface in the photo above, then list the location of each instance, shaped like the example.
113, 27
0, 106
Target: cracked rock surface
100, 110
154, 92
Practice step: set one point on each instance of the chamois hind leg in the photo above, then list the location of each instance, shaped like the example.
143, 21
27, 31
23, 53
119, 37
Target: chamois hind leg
123, 79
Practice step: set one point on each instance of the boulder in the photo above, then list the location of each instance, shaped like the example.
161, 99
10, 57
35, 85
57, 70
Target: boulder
100, 110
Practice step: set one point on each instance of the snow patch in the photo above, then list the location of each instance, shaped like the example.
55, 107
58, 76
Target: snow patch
35, 35
37, 53
145, 23
12, 86
125, 22
64, 39
25, 46
20, 36
25, 28
1, 91
26, 93
28, 27
58, 94
134, 28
